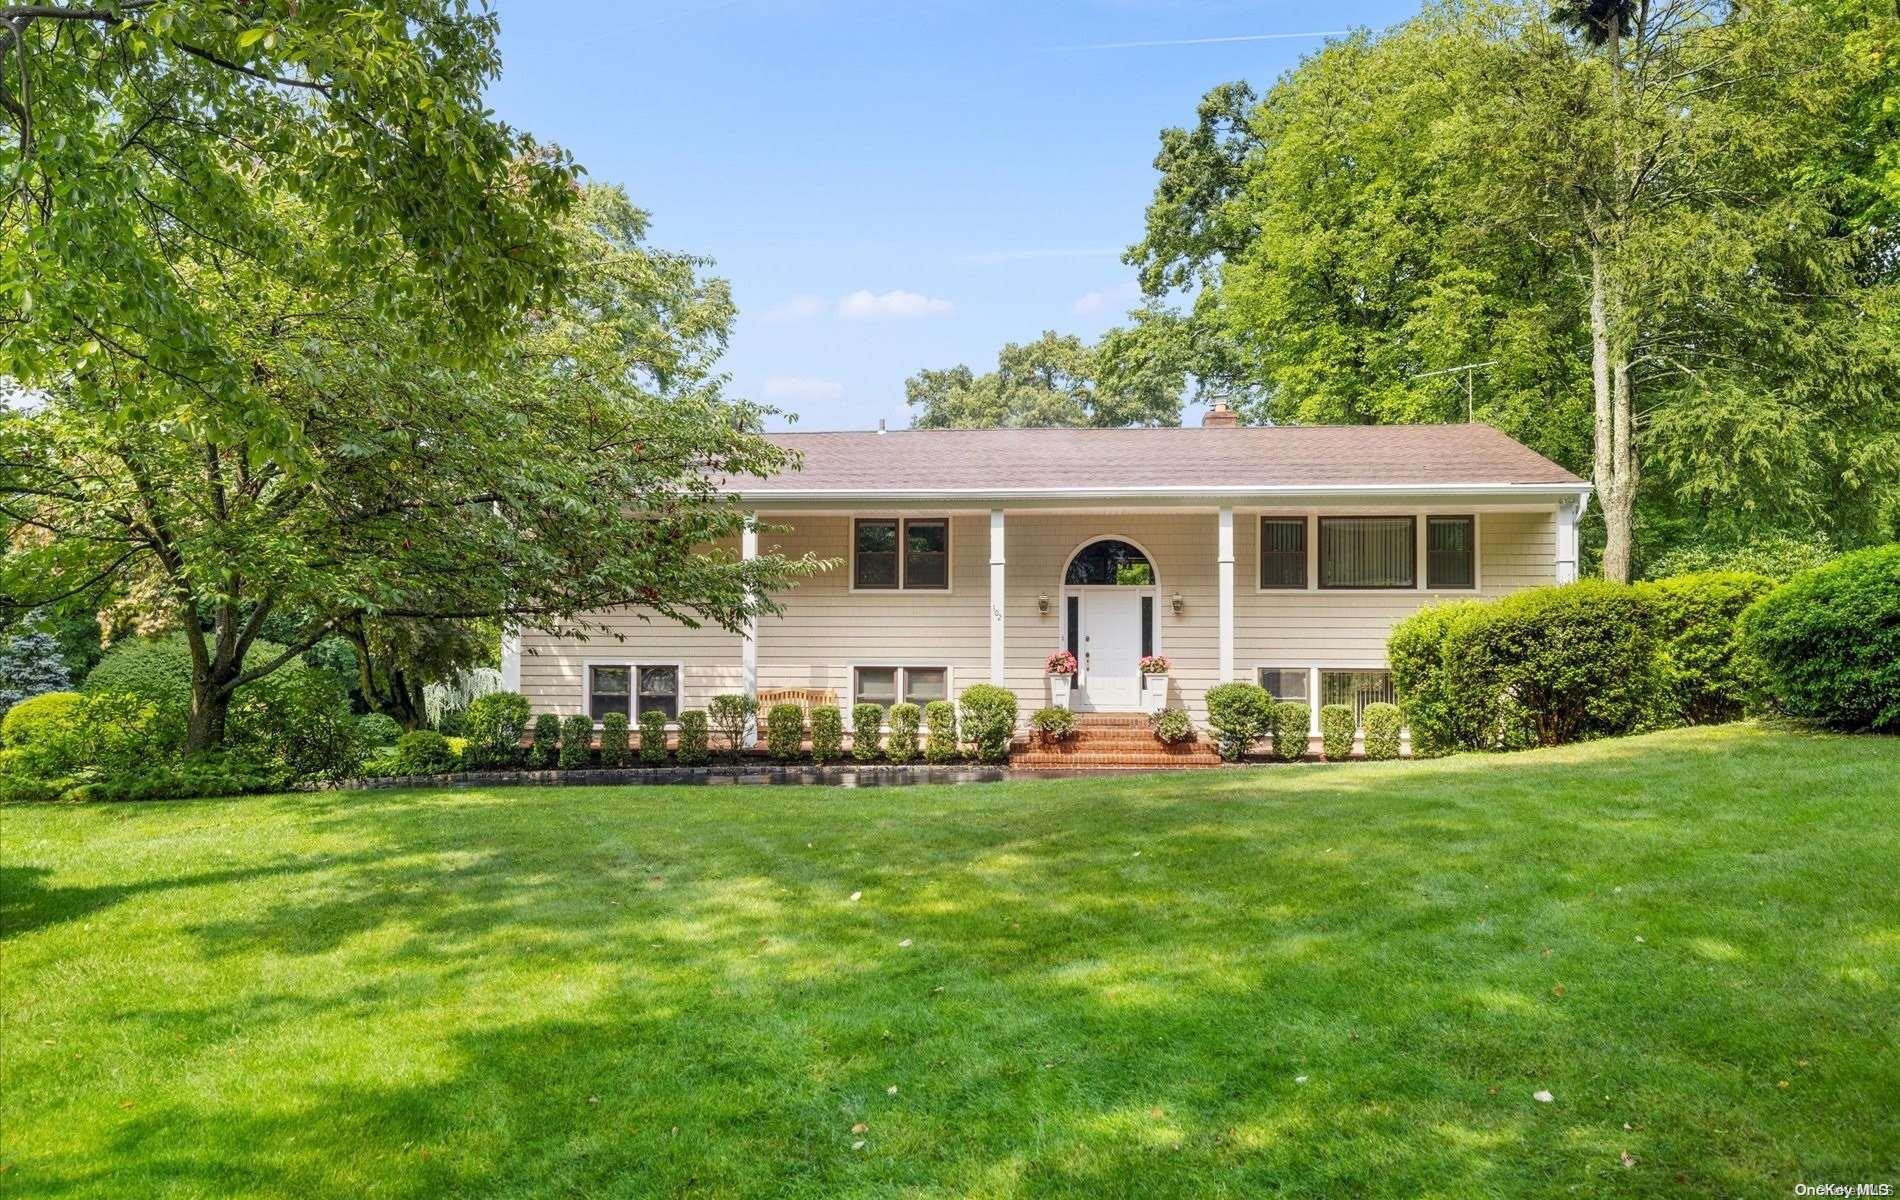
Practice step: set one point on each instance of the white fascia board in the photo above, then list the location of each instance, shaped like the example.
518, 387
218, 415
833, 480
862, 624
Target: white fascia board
1552, 491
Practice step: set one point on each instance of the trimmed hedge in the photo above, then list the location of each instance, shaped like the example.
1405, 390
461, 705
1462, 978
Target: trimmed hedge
615, 745
1239, 714
547, 741
653, 737
827, 734
940, 732
494, 724
577, 734
423, 752
39, 719
729, 715
1291, 723
1828, 642
1337, 724
785, 732
866, 720
901, 746
693, 748
989, 721
1444, 714
1383, 723
1702, 677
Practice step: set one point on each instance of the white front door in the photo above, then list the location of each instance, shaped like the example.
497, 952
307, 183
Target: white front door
1111, 650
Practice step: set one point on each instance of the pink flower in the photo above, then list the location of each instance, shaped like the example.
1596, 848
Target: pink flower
1060, 663
1156, 664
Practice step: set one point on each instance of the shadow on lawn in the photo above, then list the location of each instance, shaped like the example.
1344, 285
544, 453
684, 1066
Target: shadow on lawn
1317, 984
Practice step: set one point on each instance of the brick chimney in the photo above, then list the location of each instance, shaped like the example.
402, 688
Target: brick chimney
1219, 416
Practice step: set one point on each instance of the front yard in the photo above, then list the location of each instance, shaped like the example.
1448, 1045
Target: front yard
1299, 980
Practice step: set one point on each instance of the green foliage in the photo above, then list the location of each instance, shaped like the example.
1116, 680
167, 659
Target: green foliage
1778, 555
1054, 380
494, 725
1239, 714
376, 729
1444, 713
785, 732
1337, 725
867, 720
1172, 726
1053, 724
1383, 724
614, 743
653, 737
545, 749
693, 749
300, 720
30, 665
423, 752
827, 734
988, 717
1828, 642
188, 778
730, 715
38, 719
1579, 658
577, 737
1702, 677
905, 720
1289, 721
61, 740
940, 732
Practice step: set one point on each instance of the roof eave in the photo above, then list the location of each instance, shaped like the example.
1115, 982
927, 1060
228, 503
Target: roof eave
1503, 491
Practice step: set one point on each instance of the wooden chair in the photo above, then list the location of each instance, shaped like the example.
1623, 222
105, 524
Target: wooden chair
805, 698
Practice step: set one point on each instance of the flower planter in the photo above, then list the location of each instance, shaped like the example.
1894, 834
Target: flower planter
1059, 686
1154, 693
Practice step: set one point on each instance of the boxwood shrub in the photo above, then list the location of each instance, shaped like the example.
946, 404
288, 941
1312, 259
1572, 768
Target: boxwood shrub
827, 734
1828, 642
547, 741
1383, 722
693, 748
729, 715
1702, 677
1446, 713
423, 752
901, 746
989, 721
493, 725
866, 722
1291, 724
1239, 714
940, 732
653, 737
615, 745
785, 732
1336, 728
577, 732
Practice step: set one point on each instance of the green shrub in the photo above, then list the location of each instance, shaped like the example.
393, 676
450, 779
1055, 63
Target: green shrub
731, 716
1778, 555
785, 732
1290, 722
218, 773
905, 720
1579, 658
653, 737
377, 729
577, 736
1444, 714
39, 719
693, 751
614, 743
1337, 724
827, 734
424, 752
158, 670
1239, 714
494, 725
547, 741
1828, 642
866, 720
1701, 675
1053, 724
940, 732
989, 721
1172, 726
303, 724
1383, 722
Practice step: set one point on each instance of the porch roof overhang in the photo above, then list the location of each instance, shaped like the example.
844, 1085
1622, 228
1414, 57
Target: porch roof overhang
1531, 495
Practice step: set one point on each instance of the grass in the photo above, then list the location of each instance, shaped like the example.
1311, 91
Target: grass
1299, 981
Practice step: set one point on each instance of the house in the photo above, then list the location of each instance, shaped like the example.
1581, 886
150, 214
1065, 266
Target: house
1278, 555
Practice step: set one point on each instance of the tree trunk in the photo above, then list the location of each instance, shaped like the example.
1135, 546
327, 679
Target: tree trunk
210, 706
1614, 462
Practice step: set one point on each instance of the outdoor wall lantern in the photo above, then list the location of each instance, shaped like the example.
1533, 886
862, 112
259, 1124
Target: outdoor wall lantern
1042, 604
1178, 603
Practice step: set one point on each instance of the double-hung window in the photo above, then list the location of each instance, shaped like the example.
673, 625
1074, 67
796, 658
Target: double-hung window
1283, 552
632, 690
1368, 552
909, 554
913, 685
1451, 552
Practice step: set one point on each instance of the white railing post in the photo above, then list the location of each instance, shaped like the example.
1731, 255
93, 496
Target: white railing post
1224, 559
996, 596
749, 651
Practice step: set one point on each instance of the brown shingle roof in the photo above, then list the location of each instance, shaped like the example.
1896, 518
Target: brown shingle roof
1061, 460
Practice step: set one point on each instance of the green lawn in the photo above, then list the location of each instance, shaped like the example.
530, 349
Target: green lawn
1295, 980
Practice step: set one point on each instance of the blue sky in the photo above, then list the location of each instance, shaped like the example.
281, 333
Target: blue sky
890, 186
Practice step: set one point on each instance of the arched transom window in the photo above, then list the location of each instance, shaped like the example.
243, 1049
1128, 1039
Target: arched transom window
1110, 562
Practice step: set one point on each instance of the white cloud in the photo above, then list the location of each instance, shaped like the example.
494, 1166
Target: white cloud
864, 305
1105, 298
802, 387
799, 306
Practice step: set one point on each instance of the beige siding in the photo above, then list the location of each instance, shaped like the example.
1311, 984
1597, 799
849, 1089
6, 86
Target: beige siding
827, 628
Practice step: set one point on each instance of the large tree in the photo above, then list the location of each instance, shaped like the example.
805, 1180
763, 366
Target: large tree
1056, 380
579, 469
1652, 222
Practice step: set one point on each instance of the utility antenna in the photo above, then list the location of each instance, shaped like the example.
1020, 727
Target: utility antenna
1469, 370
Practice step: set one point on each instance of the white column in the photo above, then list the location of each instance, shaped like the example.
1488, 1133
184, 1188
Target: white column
1567, 513
749, 651
996, 596
1224, 560
510, 659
